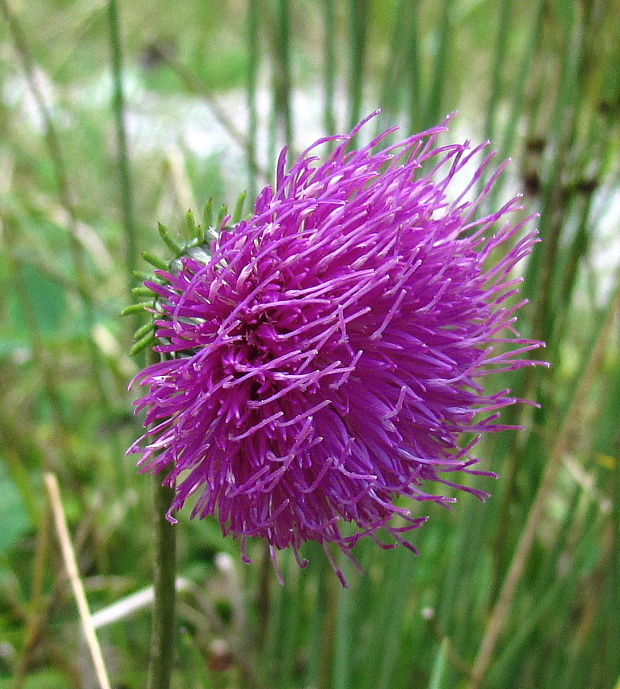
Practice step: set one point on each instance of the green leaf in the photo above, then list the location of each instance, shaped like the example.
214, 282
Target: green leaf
47, 297
45, 679
13, 515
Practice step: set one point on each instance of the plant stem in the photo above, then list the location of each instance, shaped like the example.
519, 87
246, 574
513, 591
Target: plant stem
330, 623
123, 158
162, 640
329, 66
264, 599
283, 72
360, 20
413, 69
252, 88
442, 60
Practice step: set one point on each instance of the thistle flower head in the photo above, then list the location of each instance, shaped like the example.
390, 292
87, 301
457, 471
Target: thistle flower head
325, 357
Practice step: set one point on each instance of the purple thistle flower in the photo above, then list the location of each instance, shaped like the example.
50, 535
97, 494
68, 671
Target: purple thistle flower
325, 358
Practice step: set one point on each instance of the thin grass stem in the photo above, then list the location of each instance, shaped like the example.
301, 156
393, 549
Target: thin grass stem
390, 94
501, 45
414, 71
438, 81
283, 92
253, 20
118, 106
360, 20
439, 667
329, 66
507, 139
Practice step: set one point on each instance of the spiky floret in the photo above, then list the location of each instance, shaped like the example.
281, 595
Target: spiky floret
326, 358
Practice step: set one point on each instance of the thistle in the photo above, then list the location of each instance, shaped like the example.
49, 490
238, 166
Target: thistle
323, 359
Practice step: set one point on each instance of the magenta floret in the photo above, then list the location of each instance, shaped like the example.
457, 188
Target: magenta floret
327, 358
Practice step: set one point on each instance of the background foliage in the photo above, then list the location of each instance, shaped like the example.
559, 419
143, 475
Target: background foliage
521, 592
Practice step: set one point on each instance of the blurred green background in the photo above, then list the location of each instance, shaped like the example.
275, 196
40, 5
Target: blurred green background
116, 115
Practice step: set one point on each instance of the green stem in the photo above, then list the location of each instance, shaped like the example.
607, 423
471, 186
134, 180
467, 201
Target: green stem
499, 60
329, 66
283, 78
252, 88
123, 158
360, 19
390, 96
264, 599
162, 640
330, 626
442, 60
413, 70
517, 88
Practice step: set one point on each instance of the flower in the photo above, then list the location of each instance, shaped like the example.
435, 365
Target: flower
325, 358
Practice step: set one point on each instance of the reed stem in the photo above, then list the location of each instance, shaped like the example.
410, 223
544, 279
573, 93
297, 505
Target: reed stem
163, 635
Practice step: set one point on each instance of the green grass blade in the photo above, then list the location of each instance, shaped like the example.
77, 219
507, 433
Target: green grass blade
359, 17
126, 187
253, 36
329, 66
439, 668
441, 63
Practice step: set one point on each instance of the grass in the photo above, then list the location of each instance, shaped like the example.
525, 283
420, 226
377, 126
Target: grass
121, 115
